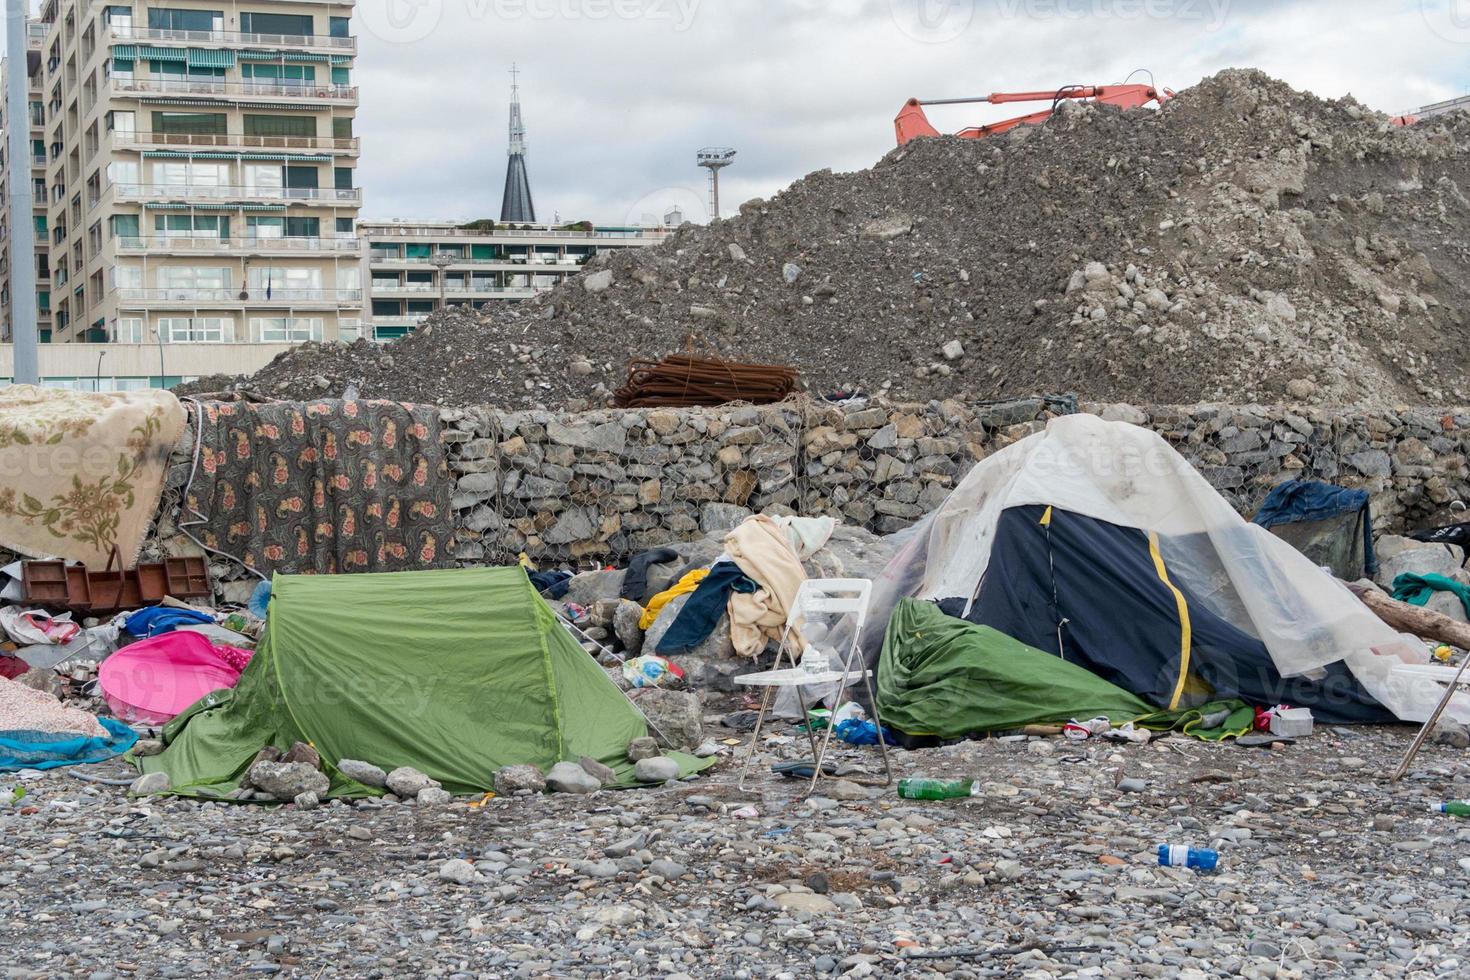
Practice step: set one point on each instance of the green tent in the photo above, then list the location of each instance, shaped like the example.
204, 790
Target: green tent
453, 672
943, 677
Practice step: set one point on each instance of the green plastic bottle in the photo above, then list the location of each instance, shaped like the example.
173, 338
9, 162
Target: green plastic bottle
937, 789
1455, 808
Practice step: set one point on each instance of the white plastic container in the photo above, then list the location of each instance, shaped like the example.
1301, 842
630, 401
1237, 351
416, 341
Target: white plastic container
1292, 722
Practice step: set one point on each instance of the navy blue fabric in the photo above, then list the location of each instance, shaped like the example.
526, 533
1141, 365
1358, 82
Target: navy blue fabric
1095, 584
704, 607
553, 585
1312, 500
635, 580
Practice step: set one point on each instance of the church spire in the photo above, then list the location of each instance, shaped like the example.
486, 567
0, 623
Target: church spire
516, 206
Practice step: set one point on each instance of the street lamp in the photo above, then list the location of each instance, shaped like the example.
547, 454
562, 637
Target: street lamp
442, 261
162, 378
97, 382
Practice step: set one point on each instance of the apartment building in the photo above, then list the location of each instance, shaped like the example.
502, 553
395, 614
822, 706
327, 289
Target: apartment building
200, 170
414, 268
35, 170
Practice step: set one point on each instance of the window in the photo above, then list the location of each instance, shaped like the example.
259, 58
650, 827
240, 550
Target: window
264, 176
121, 123
124, 172
285, 329
342, 128
209, 226
40, 224
186, 20
301, 178
265, 227
197, 330
127, 277
184, 280
194, 173
298, 25
344, 226
196, 123
341, 76
294, 126
343, 178
303, 227
125, 226
273, 282
387, 307
482, 253
129, 330
349, 277
271, 72
340, 26
117, 15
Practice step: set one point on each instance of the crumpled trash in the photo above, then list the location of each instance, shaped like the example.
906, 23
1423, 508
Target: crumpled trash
1127, 733
30, 627
861, 731
95, 643
1081, 731
651, 671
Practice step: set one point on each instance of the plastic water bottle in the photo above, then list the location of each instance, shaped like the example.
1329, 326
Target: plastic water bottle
937, 789
1183, 856
1455, 808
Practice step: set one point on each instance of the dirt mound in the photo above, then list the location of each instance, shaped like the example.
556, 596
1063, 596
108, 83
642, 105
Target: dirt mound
1246, 242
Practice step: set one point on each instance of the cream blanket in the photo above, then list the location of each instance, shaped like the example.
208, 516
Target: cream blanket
81, 474
762, 549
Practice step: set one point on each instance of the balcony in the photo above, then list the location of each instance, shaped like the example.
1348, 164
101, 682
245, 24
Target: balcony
237, 141
167, 244
279, 296
250, 89
225, 192
157, 35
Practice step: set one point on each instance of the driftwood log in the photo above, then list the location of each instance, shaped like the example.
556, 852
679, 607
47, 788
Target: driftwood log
1423, 623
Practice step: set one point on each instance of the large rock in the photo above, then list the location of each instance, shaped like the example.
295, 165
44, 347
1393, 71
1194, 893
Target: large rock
676, 717
149, 783
716, 673
626, 628
514, 780
287, 780
590, 588
569, 777
1397, 555
716, 646
363, 772
659, 769
407, 782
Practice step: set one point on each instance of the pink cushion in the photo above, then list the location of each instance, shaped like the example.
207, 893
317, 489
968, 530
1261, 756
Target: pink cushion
153, 680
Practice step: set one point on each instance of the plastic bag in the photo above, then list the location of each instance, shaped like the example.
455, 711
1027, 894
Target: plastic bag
36, 626
651, 671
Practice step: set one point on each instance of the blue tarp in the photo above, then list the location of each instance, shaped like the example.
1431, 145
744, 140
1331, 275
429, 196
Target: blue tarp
157, 620
1296, 501
50, 750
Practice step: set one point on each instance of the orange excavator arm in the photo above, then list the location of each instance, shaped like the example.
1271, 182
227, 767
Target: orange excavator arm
913, 123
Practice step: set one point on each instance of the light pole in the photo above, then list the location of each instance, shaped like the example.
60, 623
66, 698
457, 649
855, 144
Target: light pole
97, 382
442, 261
158, 332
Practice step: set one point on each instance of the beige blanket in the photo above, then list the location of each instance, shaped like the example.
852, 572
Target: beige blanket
81, 473
762, 549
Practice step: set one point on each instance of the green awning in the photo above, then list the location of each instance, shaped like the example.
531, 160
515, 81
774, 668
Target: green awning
156, 206
210, 58
166, 155
217, 155
125, 52
162, 54
191, 103
280, 106
263, 208
341, 59
287, 157
288, 57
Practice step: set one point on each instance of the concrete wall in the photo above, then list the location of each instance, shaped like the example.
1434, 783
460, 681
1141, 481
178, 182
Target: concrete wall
141, 360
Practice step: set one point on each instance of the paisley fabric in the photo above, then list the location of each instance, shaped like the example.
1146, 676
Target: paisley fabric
80, 473
325, 487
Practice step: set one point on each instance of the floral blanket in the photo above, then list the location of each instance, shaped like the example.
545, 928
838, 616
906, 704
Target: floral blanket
80, 474
329, 486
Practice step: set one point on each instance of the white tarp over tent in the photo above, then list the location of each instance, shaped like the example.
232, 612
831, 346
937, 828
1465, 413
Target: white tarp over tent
1130, 476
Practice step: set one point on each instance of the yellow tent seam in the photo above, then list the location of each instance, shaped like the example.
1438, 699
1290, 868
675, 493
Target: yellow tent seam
1185, 639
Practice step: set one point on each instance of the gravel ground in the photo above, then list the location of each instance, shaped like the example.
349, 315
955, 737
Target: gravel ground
1326, 870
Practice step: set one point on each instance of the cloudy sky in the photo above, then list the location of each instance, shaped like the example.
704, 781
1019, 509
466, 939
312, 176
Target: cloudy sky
620, 94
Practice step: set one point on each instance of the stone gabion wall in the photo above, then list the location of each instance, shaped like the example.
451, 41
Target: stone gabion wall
608, 484
603, 485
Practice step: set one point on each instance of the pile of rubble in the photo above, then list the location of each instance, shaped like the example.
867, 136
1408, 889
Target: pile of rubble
1246, 242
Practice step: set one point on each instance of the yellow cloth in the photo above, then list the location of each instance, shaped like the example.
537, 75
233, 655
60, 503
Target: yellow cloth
762, 549
83, 472
688, 583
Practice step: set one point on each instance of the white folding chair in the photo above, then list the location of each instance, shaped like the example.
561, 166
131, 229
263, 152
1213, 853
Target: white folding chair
846, 598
